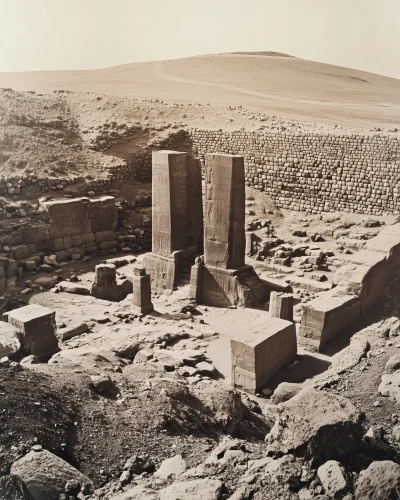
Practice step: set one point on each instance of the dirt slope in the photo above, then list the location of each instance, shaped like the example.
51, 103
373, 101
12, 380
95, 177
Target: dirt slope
284, 86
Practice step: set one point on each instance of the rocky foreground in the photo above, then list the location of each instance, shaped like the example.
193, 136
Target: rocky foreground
148, 416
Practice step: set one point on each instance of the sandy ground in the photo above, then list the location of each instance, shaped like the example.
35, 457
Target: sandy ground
281, 86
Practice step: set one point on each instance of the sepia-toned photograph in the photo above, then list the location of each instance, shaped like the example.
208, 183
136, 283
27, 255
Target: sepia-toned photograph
199, 250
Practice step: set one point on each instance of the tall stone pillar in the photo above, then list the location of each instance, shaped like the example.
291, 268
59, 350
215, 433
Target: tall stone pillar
224, 234
225, 280
176, 218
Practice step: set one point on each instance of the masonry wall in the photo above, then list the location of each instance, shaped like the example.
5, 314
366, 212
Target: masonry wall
315, 172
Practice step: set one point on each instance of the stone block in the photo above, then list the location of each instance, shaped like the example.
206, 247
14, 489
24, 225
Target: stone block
77, 240
326, 317
35, 234
103, 236
259, 352
88, 238
68, 242
19, 252
58, 244
103, 214
281, 306
37, 326
108, 245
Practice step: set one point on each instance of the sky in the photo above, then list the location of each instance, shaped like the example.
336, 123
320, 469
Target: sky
89, 34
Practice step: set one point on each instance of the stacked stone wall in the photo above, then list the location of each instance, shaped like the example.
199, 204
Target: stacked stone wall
315, 172
312, 172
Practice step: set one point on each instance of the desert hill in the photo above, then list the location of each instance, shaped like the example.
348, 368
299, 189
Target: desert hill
278, 85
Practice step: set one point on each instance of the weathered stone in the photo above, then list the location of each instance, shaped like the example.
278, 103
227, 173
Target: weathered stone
259, 352
286, 391
380, 480
173, 466
175, 232
141, 300
9, 342
281, 306
198, 489
44, 475
333, 478
37, 326
332, 430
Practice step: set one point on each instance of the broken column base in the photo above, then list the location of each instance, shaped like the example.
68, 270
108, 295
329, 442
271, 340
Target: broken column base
165, 272
219, 287
258, 353
141, 300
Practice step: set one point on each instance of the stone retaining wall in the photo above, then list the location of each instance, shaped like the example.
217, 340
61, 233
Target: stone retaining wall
360, 285
310, 172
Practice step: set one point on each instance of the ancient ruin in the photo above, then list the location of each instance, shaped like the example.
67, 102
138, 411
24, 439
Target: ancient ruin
224, 279
199, 298
177, 218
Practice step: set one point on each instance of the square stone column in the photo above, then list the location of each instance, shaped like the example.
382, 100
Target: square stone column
224, 231
170, 202
177, 217
224, 279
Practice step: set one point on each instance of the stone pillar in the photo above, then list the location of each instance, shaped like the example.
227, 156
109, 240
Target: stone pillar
141, 302
196, 281
170, 222
225, 279
224, 234
281, 305
177, 217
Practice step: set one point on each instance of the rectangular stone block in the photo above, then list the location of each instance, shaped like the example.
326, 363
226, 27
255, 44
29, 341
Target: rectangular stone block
58, 244
19, 252
106, 236
224, 232
327, 316
37, 325
35, 234
259, 352
103, 213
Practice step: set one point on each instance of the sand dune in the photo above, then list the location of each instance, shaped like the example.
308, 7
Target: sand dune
280, 85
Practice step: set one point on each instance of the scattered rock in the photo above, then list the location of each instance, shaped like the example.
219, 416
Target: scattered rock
332, 430
381, 480
286, 391
101, 382
333, 478
199, 489
44, 475
173, 466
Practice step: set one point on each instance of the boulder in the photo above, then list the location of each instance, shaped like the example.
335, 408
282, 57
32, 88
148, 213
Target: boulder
198, 489
393, 364
44, 475
333, 478
137, 493
390, 386
286, 391
171, 467
286, 470
223, 404
318, 425
9, 342
381, 480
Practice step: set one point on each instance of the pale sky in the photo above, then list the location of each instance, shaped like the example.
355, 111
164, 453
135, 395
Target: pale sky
89, 34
